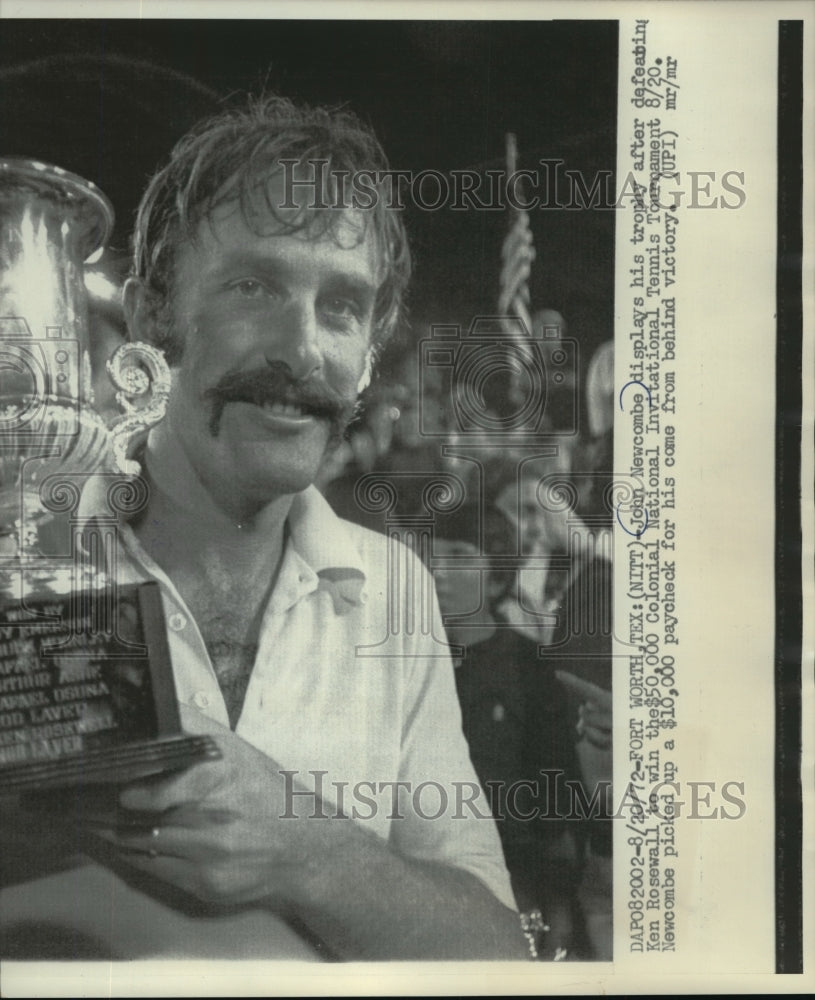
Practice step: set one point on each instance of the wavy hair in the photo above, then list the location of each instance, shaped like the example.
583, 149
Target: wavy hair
235, 154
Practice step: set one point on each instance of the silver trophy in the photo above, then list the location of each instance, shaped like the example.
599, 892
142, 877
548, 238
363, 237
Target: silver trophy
51, 437
86, 685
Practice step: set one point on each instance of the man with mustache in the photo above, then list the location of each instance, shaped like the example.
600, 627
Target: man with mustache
270, 305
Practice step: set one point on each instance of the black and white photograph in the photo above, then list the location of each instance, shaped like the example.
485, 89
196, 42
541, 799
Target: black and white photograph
401, 498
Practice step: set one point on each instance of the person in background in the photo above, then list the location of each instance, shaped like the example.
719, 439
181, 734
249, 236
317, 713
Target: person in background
520, 725
388, 439
561, 596
557, 597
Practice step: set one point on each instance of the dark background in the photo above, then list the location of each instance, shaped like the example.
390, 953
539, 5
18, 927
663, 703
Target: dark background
107, 98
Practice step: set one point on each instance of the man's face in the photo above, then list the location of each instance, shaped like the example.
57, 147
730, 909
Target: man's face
542, 531
458, 588
276, 330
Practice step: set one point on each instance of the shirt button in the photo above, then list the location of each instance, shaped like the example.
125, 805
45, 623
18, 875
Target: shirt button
177, 621
200, 699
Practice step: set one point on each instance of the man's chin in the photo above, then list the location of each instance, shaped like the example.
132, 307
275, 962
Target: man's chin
271, 467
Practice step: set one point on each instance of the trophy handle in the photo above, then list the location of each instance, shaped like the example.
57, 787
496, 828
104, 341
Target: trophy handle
135, 369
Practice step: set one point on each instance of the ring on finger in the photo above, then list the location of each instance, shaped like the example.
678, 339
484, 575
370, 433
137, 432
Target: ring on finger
153, 853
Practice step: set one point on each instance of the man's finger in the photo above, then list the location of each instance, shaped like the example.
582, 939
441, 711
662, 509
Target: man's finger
163, 840
179, 872
598, 717
600, 738
585, 689
185, 788
190, 785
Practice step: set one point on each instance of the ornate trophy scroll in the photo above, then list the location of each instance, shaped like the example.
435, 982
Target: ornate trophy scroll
72, 643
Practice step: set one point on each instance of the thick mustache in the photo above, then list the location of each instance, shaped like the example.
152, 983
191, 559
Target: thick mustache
275, 383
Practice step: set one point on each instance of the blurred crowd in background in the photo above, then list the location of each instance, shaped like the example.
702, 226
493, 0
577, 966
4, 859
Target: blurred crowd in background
522, 565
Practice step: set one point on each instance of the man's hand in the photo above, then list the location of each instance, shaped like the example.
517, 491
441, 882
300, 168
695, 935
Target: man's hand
214, 830
220, 836
594, 748
594, 722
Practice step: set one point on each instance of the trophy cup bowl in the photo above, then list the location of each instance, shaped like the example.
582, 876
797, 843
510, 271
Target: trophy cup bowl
51, 222
86, 685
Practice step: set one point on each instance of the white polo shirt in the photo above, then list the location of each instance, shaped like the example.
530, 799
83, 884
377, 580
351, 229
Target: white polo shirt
353, 691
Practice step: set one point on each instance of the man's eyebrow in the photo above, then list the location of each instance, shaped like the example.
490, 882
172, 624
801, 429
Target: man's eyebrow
346, 281
351, 284
241, 260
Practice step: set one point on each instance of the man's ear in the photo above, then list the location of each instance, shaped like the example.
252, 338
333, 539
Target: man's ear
141, 311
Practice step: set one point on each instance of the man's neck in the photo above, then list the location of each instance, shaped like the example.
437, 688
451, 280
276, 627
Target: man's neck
223, 567
187, 531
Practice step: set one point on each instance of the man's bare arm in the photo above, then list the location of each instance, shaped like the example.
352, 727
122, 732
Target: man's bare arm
221, 837
366, 902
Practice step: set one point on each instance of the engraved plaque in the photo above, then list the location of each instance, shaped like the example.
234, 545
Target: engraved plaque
87, 692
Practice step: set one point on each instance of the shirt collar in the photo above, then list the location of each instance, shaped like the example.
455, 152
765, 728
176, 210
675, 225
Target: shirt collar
326, 555
323, 542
